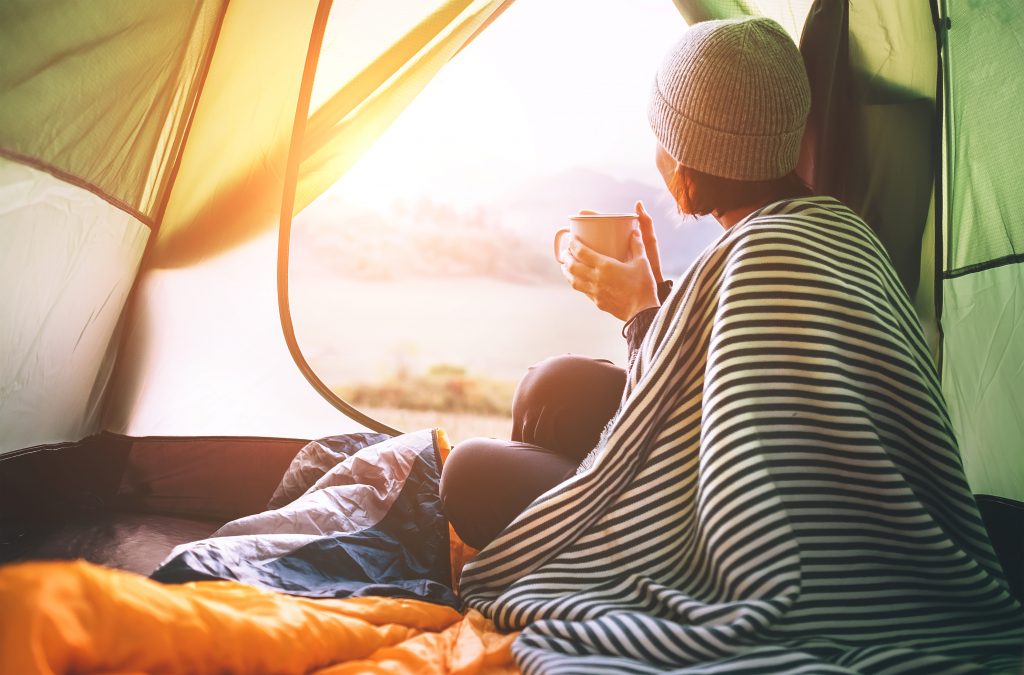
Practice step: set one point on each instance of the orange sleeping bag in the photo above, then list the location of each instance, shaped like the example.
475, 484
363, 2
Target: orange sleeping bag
76, 617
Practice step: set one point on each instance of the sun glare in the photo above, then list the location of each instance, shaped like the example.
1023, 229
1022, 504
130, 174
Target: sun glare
464, 135
549, 86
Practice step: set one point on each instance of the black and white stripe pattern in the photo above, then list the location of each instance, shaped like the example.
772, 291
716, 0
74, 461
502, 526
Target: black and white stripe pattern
779, 492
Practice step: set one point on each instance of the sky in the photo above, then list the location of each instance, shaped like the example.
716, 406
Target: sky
550, 85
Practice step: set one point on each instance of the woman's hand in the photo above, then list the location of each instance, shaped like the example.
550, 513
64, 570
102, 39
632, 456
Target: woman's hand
620, 288
650, 242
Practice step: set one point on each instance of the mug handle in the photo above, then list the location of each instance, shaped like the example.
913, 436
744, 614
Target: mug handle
558, 241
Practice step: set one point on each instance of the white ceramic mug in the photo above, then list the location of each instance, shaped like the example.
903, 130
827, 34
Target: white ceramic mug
606, 233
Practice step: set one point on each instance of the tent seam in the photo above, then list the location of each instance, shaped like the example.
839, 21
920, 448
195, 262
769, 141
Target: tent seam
966, 270
71, 179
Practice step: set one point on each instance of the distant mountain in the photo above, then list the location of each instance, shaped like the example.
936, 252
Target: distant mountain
409, 242
507, 238
573, 189
540, 205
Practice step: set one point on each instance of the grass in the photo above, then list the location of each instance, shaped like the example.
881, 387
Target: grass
442, 388
445, 396
458, 426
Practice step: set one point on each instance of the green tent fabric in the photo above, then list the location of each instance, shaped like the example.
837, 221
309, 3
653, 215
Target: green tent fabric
983, 257
790, 13
95, 104
103, 92
872, 134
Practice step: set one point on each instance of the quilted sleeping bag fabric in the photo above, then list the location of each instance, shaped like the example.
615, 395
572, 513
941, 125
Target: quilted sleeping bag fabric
76, 617
371, 524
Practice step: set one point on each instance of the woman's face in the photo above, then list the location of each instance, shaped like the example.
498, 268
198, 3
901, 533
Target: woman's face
666, 164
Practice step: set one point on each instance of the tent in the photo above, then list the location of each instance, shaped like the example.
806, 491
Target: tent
134, 197
142, 142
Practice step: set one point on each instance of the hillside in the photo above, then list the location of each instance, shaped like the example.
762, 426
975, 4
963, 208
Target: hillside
508, 239
539, 206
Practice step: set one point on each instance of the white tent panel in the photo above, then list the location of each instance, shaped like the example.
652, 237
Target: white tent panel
207, 357
67, 262
983, 389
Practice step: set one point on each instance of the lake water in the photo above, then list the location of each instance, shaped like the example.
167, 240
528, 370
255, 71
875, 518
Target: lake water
354, 330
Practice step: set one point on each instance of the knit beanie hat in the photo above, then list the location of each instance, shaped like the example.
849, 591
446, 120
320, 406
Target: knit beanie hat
731, 99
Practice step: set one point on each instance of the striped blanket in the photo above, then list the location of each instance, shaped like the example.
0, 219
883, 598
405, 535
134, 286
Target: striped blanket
780, 490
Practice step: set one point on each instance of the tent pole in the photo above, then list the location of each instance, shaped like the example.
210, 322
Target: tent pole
284, 233
941, 23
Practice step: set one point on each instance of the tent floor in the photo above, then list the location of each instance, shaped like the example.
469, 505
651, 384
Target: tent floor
136, 542
126, 502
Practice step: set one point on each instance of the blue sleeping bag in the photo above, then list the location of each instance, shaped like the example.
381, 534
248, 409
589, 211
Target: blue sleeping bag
370, 523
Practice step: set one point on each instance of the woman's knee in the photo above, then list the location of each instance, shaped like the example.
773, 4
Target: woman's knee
461, 476
564, 402
486, 483
553, 370
463, 463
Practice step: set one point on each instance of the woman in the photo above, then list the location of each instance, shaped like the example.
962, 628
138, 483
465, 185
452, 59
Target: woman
778, 488
563, 403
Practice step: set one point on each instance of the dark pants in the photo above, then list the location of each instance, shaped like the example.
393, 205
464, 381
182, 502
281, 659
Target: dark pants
558, 412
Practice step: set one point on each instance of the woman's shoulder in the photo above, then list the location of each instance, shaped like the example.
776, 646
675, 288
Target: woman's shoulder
817, 233
814, 209
815, 222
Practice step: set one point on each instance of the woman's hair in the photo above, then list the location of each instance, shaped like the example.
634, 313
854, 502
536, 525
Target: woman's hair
699, 194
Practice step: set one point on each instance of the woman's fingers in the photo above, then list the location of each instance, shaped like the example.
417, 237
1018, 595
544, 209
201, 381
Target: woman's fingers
636, 246
646, 223
650, 240
615, 286
580, 282
580, 268
576, 269
585, 254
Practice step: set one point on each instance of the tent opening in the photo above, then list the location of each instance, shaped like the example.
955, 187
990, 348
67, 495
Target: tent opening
431, 258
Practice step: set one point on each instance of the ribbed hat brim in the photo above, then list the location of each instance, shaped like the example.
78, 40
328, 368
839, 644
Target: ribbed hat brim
723, 154
731, 99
